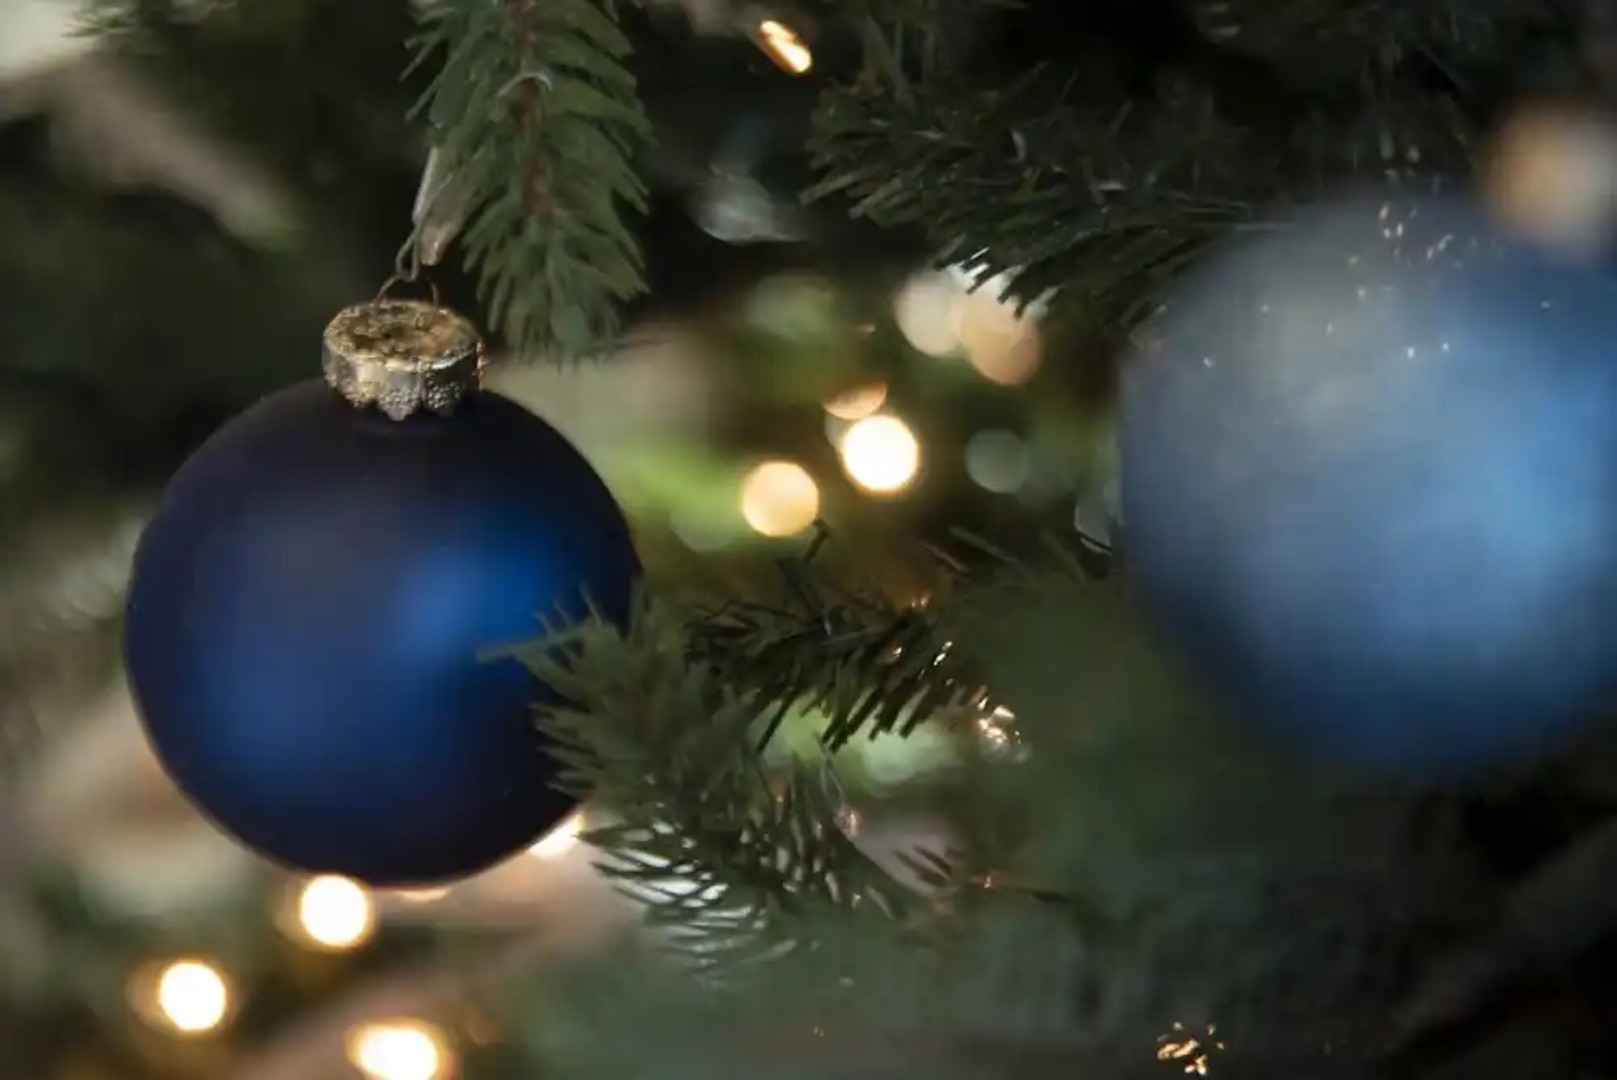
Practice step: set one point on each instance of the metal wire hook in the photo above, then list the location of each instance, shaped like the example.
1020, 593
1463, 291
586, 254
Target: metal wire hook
407, 271
431, 230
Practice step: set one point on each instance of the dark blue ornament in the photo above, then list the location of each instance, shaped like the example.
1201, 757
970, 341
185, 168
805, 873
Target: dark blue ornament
1369, 486
310, 615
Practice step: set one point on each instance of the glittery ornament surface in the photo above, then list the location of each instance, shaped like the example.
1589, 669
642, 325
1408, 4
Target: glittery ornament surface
1369, 484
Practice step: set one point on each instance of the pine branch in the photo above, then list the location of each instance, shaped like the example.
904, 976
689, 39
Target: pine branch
1009, 995
1111, 167
538, 116
1384, 33
535, 111
734, 859
866, 664
870, 666
1000, 183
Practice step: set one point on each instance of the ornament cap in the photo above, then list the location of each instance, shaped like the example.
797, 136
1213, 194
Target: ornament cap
402, 357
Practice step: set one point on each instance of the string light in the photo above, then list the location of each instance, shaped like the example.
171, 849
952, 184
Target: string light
780, 498
998, 727
560, 840
881, 454
335, 914
1193, 1053
400, 1050
188, 997
784, 46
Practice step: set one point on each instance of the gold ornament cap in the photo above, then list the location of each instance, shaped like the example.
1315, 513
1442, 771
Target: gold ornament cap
403, 357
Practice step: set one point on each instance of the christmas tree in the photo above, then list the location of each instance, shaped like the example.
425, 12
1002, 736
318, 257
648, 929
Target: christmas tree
889, 770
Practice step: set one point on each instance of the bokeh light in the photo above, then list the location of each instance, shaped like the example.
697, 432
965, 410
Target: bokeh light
1552, 175
1003, 346
998, 461
881, 454
335, 913
191, 997
924, 309
859, 402
400, 1050
779, 498
947, 313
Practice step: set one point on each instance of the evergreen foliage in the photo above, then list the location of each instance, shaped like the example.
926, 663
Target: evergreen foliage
1121, 869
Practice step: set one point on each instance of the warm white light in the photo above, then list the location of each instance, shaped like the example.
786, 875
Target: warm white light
881, 454
924, 309
1192, 1053
560, 840
779, 498
858, 403
334, 913
1005, 347
998, 726
1552, 175
783, 45
192, 997
399, 1050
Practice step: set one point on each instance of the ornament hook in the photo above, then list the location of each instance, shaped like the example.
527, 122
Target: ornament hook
407, 356
407, 274
437, 218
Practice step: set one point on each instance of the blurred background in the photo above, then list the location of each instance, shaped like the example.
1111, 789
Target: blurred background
177, 231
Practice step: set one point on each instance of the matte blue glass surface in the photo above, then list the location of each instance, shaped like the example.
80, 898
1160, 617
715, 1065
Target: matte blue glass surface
307, 616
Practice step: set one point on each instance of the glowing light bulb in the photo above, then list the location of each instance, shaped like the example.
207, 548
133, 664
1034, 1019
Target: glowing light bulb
399, 1050
336, 914
998, 727
779, 498
784, 46
192, 997
560, 840
881, 454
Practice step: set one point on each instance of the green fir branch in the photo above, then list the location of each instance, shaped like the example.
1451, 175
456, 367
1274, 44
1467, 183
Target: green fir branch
537, 114
1112, 218
1070, 177
1382, 33
869, 665
732, 858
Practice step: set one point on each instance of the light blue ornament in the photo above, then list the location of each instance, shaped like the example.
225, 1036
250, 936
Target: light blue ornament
1369, 485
